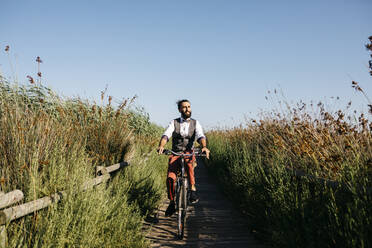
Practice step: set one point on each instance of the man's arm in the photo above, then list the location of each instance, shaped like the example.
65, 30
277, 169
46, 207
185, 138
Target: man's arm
162, 142
166, 136
203, 143
202, 140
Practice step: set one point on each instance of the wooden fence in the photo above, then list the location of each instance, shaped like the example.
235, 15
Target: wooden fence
12, 213
327, 182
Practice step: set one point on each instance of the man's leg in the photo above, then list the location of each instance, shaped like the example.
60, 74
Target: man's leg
171, 178
190, 168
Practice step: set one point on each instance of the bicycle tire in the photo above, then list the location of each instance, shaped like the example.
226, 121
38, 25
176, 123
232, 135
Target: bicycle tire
180, 215
183, 211
177, 193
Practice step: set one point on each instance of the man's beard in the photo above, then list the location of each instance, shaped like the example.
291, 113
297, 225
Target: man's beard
186, 115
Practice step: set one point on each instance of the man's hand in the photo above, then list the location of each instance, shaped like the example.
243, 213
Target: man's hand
206, 151
160, 150
163, 141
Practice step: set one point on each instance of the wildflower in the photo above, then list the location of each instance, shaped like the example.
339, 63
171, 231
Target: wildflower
39, 60
6, 48
39, 74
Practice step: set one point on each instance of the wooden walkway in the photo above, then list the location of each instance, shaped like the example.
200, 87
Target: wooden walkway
212, 222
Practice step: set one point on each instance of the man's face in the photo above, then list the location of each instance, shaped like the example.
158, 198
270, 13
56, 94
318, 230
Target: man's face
185, 110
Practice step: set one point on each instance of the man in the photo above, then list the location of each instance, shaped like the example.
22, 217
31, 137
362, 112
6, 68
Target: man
183, 131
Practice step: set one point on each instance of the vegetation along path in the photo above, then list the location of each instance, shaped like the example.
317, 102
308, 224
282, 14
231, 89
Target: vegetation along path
210, 223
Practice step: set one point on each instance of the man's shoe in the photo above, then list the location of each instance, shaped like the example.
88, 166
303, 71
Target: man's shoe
170, 209
193, 197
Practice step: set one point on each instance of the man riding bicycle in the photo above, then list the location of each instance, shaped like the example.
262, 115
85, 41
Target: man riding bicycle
183, 131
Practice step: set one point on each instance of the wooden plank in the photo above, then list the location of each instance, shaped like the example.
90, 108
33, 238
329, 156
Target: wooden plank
212, 222
105, 170
95, 181
10, 198
16, 212
109, 169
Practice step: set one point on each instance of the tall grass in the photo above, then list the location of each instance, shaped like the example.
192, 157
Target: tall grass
48, 144
253, 165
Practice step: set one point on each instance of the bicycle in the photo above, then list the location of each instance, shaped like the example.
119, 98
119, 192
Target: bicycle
182, 192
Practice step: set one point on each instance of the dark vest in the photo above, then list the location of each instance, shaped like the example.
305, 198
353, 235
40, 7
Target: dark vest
180, 143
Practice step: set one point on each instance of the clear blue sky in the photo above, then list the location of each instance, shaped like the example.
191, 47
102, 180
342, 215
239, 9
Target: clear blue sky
222, 55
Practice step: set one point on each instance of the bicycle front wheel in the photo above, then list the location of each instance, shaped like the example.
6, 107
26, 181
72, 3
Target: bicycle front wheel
182, 209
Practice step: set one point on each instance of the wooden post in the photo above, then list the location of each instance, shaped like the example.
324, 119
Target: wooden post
10, 198
3, 237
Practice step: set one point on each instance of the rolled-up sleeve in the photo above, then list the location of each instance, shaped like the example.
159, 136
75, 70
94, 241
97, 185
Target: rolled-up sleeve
169, 131
199, 131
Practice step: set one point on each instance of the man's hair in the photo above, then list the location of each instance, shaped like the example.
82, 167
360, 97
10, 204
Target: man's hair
179, 102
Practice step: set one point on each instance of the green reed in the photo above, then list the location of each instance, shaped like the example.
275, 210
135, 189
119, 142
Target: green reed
49, 144
255, 163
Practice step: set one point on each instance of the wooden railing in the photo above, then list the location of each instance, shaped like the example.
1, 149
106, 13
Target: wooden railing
12, 213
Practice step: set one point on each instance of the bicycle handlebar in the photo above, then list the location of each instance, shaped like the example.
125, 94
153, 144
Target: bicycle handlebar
196, 152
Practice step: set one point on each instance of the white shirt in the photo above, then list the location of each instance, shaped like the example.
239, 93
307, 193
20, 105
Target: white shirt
184, 129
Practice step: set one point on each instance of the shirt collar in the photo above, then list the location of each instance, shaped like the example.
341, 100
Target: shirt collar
185, 120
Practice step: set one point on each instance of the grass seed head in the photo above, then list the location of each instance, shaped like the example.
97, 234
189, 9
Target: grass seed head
30, 79
38, 60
